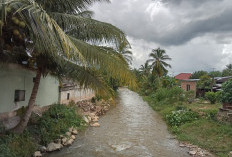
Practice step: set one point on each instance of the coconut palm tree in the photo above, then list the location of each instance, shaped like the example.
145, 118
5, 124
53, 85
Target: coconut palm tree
55, 37
145, 69
229, 67
124, 49
158, 62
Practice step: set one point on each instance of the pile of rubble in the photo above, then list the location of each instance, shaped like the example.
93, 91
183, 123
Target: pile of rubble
92, 111
196, 151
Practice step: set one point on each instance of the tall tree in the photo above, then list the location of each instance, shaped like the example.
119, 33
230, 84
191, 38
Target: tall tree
227, 71
54, 36
198, 74
124, 49
158, 62
145, 69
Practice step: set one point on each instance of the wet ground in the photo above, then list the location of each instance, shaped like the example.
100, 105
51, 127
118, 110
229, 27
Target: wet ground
130, 129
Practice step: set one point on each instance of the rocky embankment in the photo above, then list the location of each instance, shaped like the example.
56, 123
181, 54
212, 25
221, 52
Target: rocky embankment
90, 113
195, 150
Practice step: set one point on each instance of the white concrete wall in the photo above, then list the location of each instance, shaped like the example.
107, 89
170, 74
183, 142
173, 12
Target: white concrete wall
76, 95
15, 77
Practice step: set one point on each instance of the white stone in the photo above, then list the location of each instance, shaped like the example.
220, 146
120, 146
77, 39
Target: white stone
37, 154
54, 146
70, 129
75, 132
89, 118
91, 114
42, 149
86, 119
182, 145
193, 152
73, 137
68, 133
57, 141
64, 140
230, 154
95, 125
95, 119
70, 141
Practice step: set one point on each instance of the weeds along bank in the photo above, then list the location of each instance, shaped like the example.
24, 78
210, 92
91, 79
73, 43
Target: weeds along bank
55, 129
192, 121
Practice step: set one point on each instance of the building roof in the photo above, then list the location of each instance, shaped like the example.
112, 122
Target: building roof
190, 80
183, 76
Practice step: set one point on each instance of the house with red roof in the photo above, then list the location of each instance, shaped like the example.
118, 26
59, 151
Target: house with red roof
186, 83
183, 76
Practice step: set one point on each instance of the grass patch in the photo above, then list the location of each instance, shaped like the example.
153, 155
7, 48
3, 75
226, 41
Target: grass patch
202, 130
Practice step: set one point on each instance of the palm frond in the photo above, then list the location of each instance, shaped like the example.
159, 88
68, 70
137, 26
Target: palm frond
87, 78
46, 34
106, 59
67, 6
88, 29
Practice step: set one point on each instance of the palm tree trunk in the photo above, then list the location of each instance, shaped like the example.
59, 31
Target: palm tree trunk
24, 120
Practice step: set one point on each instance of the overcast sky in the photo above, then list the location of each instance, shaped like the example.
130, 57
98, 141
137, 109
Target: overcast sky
196, 34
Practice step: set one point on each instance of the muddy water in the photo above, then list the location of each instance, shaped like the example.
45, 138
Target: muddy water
130, 129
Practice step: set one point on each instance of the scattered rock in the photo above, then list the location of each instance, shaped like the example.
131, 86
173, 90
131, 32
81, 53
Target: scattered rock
95, 119
230, 154
86, 119
37, 154
95, 125
75, 132
70, 129
57, 141
68, 133
54, 146
193, 152
42, 149
64, 140
70, 141
61, 136
73, 137
89, 118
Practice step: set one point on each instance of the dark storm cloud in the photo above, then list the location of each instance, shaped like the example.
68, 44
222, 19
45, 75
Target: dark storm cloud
197, 34
218, 24
173, 23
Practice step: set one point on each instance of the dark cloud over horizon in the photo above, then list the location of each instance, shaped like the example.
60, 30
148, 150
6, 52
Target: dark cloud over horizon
199, 27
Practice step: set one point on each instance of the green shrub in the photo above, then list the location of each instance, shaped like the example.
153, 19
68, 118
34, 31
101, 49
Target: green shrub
177, 118
171, 95
226, 95
175, 94
189, 96
161, 94
211, 96
56, 121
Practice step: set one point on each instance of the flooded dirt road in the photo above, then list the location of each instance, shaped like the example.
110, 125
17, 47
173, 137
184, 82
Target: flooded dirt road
130, 129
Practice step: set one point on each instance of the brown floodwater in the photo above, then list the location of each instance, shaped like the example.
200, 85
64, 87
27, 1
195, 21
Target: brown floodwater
130, 129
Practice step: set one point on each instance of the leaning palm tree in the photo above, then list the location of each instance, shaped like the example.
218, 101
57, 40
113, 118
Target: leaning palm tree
55, 37
158, 62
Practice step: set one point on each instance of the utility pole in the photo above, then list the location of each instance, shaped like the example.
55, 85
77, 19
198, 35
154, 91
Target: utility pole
212, 83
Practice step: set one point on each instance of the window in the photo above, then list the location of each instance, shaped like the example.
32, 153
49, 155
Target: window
68, 95
188, 87
34, 79
19, 95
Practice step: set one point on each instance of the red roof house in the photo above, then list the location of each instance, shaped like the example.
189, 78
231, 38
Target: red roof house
183, 76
